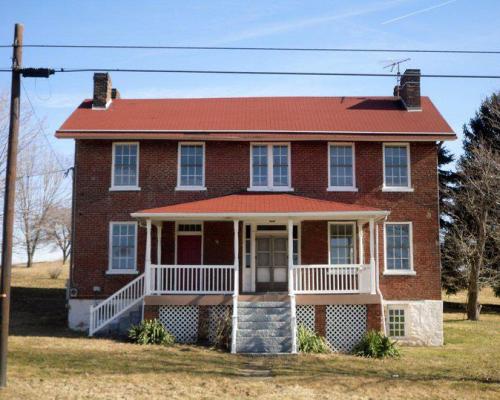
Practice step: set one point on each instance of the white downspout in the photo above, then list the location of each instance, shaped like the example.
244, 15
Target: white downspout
236, 288
291, 291
384, 330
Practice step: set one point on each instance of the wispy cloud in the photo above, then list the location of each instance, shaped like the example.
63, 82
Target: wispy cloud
421, 11
286, 26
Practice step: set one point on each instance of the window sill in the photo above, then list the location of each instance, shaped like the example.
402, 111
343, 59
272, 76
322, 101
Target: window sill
121, 272
397, 189
190, 188
124, 189
270, 189
400, 273
341, 189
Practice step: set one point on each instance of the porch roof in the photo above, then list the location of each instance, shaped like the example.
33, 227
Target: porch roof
255, 205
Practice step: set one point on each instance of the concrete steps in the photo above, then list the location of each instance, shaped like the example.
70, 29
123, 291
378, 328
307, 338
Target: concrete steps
264, 327
119, 327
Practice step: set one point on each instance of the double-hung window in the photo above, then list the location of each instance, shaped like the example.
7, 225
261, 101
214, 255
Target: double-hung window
191, 166
270, 167
397, 175
341, 168
398, 248
122, 248
125, 169
342, 242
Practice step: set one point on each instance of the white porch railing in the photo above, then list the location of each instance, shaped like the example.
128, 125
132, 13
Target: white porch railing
191, 279
324, 279
116, 304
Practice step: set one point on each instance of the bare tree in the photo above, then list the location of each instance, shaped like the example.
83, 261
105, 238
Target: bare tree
40, 189
473, 241
58, 230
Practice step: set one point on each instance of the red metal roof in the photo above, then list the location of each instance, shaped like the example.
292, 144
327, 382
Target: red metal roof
251, 203
372, 115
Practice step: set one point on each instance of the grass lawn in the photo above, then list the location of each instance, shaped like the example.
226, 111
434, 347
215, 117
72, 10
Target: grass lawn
486, 296
47, 361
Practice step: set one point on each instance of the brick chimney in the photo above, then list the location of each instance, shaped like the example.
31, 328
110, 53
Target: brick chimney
102, 90
409, 89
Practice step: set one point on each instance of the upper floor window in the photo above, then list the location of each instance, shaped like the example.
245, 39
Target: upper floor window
270, 167
125, 169
398, 248
191, 166
342, 243
341, 167
397, 175
123, 247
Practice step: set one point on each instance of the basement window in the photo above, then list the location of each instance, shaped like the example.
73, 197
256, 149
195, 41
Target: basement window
396, 322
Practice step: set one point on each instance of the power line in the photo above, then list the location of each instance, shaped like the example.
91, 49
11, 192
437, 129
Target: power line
241, 48
232, 72
44, 134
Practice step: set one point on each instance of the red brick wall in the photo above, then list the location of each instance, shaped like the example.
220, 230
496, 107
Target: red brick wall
96, 206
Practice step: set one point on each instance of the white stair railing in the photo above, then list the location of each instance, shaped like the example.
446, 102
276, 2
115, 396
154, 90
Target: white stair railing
116, 304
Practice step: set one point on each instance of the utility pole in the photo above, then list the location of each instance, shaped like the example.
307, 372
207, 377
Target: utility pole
9, 197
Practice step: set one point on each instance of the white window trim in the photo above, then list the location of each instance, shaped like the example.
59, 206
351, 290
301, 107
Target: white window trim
354, 236
410, 271
405, 327
110, 270
115, 188
180, 187
270, 179
352, 188
188, 233
408, 188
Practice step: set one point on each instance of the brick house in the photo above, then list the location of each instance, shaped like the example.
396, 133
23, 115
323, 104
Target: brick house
278, 211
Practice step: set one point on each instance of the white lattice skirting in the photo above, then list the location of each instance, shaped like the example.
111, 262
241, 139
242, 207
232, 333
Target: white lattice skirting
345, 326
216, 314
181, 321
306, 316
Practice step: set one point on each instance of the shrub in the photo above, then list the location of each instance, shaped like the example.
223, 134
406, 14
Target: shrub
54, 273
375, 344
311, 342
223, 330
150, 332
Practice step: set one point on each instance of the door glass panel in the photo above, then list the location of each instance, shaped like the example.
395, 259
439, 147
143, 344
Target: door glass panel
280, 259
280, 244
263, 274
263, 259
263, 244
280, 274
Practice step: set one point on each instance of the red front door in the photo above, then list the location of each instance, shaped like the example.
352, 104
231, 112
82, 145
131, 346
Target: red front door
189, 250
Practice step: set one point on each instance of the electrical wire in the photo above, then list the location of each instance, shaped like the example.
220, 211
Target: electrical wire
233, 72
242, 48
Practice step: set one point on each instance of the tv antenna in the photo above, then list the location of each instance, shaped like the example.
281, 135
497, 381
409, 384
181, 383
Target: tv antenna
395, 64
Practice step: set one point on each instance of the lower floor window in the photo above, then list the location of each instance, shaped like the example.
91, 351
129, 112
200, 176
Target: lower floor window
396, 322
123, 243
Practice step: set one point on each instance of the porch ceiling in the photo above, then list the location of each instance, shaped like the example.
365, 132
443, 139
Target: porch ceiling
259, 206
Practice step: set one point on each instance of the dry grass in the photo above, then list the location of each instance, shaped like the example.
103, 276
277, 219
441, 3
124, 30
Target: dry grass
486, 296
49, 362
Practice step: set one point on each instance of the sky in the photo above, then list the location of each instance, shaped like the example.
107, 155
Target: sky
429, 24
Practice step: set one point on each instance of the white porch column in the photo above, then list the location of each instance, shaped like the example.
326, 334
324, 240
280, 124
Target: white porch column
158, 243
291, 286
361, 248
236, 287
147, 263
372, 257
